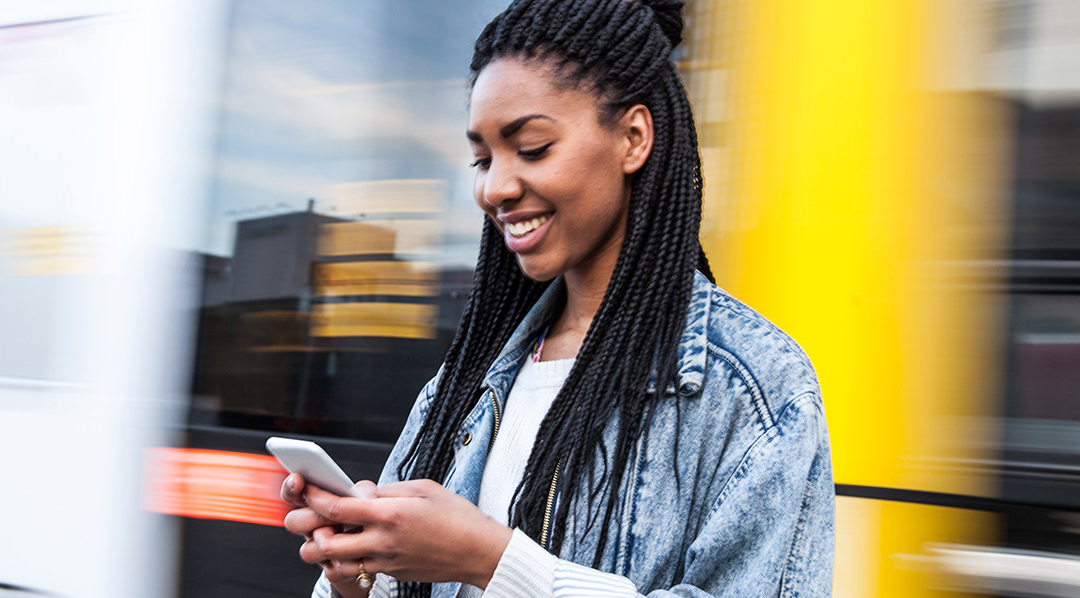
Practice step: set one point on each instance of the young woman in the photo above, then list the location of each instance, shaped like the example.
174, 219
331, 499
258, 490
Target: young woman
607, 421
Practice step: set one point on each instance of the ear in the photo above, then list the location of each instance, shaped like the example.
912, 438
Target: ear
637, 125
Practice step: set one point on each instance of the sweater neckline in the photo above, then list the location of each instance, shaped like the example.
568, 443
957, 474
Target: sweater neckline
544, 374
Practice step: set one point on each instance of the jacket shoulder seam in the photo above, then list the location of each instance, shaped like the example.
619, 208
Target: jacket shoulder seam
757, 396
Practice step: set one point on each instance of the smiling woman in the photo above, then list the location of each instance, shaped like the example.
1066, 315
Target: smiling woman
553, 178
607, 421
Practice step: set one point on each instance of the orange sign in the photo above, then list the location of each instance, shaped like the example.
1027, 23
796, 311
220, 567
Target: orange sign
207, 484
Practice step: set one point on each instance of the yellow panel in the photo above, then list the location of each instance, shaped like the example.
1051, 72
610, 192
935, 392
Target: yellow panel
374, 236
355, 238
416, 236
401, 320
820, 237
839, 205
375, 278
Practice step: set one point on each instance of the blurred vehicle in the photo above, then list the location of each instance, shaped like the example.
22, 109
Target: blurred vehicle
896, 184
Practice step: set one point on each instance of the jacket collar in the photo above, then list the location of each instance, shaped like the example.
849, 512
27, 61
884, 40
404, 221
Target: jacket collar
500, 376
693, 347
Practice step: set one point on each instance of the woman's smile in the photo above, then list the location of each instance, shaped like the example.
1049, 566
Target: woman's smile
520, 229
524, 232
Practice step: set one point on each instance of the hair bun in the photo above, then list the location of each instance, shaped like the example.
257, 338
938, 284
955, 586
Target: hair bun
668, 14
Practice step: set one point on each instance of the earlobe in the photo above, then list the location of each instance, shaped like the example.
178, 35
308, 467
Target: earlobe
638, 125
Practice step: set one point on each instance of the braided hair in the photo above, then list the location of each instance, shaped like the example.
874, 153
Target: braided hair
621, 52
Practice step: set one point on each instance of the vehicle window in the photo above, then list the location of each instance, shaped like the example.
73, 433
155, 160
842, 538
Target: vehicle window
341, 231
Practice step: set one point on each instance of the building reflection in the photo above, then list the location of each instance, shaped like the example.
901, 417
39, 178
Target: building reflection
317, 325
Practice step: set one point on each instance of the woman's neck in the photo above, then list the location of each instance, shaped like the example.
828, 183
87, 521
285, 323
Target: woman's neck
584, 294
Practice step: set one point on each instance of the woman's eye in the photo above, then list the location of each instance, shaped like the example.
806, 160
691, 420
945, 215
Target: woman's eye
481, 163
533, 154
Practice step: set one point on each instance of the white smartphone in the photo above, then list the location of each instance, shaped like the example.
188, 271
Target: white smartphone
311, 461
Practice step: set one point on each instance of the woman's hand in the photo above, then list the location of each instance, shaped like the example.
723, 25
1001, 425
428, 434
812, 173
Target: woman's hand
309, 524
414, 531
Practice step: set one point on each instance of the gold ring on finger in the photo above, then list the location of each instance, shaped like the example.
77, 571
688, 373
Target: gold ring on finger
365, 579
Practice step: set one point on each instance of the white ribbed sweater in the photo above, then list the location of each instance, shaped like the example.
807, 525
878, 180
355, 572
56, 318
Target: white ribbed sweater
534, 390
525, 568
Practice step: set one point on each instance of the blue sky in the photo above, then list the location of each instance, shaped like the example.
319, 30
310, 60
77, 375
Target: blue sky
322, 93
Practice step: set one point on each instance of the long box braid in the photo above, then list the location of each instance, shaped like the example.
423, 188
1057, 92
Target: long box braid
621, 51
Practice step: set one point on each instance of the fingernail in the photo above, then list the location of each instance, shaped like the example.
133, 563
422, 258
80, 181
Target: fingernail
290, 482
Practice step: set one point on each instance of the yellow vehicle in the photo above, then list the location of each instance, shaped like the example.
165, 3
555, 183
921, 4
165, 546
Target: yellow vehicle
897, 184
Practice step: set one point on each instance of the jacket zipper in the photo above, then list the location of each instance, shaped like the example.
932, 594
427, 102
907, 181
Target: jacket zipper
495, 408
547, 508
554, 477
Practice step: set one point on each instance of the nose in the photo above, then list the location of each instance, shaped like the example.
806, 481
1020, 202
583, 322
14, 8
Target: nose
501, 184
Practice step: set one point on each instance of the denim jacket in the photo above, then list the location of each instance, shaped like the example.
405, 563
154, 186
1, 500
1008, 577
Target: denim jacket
752, 512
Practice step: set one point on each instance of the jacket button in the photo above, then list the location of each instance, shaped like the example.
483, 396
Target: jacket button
466, 439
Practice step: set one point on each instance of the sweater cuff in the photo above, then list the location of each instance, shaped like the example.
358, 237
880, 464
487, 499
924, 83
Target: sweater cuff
572, 579
323, 589
525, 570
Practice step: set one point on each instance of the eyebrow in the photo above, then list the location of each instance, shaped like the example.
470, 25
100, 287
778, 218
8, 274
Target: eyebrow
509, 129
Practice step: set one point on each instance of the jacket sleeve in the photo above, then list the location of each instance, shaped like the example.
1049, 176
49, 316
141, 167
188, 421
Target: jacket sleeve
769, 533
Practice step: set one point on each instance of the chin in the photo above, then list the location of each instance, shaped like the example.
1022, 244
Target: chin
536, 272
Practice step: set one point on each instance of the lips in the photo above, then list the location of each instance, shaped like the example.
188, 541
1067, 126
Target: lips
522, 235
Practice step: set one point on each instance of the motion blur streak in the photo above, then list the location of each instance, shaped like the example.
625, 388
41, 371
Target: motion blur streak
215, 485
103, 138
1008, 571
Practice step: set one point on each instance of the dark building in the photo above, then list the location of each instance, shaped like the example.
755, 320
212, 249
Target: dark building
316, 327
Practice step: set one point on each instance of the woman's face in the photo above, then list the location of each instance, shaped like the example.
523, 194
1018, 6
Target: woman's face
551, 177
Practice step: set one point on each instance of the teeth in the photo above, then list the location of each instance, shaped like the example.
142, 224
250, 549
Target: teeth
520, 229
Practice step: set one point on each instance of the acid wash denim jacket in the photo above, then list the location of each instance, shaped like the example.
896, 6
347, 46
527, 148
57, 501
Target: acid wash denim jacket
752, 512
